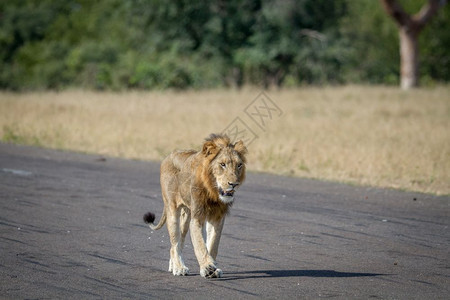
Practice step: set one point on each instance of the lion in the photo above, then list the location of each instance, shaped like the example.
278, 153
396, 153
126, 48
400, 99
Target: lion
198, 189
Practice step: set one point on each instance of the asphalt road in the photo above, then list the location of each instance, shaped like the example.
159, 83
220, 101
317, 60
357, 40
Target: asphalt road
71, 228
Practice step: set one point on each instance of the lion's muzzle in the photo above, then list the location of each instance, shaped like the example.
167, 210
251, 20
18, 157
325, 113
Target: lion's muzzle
227, 196
227, 193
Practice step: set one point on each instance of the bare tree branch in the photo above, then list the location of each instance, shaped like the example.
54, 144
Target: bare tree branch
418, 21
394, 9
426, 12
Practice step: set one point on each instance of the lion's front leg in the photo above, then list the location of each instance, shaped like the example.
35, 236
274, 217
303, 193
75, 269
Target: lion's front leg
208, 268
176, 263
213, 234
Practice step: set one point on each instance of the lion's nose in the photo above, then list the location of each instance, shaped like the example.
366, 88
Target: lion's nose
233, 184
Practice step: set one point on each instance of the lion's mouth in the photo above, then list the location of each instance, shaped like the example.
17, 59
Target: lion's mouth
227, 193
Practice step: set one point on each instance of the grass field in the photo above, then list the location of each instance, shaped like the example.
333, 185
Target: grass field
378, 136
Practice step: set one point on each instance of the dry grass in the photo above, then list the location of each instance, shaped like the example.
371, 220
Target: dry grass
366, 135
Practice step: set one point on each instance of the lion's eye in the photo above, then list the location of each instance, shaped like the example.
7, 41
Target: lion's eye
222, 165
239, 166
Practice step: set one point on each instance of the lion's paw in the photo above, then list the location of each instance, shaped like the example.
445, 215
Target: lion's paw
183, 271
178, 271
211, 272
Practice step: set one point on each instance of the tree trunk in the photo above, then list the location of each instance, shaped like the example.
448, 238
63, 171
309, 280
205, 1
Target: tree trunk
409, 55
409, 29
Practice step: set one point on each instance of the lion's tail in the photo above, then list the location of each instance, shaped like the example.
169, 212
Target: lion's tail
149, 218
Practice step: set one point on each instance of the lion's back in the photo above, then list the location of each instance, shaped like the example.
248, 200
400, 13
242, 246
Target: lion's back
176, 161
179, 157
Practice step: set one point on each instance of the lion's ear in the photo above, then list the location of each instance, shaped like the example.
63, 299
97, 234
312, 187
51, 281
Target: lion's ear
209, 148
240, 147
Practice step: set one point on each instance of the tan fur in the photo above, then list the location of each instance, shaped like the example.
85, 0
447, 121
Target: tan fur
198, 189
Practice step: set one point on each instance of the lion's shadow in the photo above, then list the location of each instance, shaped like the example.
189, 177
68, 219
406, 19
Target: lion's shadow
295, 273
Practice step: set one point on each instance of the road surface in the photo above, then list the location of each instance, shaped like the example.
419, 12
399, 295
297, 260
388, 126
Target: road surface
71, 228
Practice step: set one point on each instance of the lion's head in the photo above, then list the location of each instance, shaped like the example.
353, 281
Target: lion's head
225, 166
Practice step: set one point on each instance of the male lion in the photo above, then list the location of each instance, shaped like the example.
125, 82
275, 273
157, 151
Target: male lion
198, 187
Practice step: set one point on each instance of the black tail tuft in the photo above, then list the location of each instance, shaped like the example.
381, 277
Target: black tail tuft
149, 218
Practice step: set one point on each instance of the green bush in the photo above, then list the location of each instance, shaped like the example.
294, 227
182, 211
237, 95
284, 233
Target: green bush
114, 44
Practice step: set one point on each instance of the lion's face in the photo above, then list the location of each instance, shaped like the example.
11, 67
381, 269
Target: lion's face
226, 166
228, 169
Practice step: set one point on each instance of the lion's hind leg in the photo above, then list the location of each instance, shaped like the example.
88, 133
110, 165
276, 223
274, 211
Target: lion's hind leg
176, 263
184, 224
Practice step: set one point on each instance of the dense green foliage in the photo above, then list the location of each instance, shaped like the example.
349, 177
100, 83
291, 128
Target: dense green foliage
148, 44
